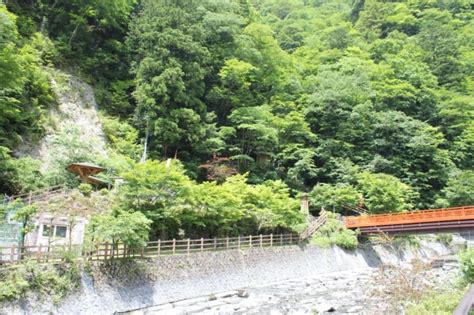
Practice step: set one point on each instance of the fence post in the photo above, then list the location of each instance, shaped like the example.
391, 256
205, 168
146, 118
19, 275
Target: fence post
281, 239
215, 242
291, 239
202, 244
261, 240
227, 243
189, 244
250, 240
12, 254
174, 246
142, 253
93, 252
106, 250
159, 247
40, 249
238, 242
271, 240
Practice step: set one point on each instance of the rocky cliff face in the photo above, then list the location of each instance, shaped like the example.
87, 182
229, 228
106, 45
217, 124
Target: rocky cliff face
76, 116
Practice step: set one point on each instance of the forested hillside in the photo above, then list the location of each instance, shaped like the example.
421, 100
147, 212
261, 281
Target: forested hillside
359, 103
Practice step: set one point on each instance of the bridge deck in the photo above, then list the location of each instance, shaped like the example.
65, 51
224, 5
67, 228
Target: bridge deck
408, 218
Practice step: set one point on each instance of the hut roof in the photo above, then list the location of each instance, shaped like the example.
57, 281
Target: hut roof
96, 181
84, 169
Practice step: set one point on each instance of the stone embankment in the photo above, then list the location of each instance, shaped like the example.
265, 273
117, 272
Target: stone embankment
288, 277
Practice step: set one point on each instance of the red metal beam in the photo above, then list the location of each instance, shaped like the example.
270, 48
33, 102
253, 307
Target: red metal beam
419, 227
420, 216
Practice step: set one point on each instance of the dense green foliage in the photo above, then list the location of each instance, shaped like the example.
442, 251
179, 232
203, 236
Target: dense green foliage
364, 103
379, 193
460, 189
467, 265
122, 227
55, 281
25, 89
178, 206
333, 232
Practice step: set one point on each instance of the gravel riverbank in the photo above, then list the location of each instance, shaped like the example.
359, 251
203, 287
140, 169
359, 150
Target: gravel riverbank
345, 292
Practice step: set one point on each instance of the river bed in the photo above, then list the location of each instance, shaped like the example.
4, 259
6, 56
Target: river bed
344, 292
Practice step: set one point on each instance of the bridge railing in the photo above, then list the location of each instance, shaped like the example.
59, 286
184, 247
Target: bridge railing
419, 216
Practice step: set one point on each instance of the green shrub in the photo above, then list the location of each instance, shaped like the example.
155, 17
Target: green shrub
334, 197
19, 175
407, 240
55, 281
26, 175
13, 284
467, 265
435, 303
85, 189
335, 233
321, 241
68, 147
122, 137
346, 239
45, 48
445, 238
384, 193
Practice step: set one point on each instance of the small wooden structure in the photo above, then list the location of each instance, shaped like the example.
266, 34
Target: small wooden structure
56, 229
85, 171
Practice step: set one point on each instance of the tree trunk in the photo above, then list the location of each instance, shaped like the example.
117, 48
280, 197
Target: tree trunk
73, 35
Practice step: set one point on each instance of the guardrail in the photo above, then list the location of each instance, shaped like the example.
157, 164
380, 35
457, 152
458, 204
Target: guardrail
466, 304
107, 251
419, 216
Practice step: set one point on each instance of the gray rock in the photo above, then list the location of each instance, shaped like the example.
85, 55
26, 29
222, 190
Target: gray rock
321, 308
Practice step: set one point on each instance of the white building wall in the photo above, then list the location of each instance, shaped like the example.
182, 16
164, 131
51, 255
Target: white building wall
74, 231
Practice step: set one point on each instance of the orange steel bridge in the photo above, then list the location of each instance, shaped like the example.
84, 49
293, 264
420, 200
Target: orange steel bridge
420, 221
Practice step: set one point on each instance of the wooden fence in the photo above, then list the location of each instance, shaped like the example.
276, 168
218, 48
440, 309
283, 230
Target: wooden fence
107, 251
13, 253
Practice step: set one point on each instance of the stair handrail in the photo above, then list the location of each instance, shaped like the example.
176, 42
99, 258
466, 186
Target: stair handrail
314, 226
466, 304
33, 195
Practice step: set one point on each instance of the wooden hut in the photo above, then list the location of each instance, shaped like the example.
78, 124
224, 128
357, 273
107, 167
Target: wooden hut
85, 171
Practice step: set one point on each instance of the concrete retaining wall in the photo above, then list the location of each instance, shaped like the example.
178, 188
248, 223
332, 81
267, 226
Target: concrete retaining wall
139, 284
